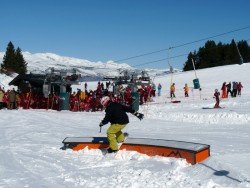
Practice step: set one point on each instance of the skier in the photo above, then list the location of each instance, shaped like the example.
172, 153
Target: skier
217, 98
159, 89
116, 115
186, 89
172, 90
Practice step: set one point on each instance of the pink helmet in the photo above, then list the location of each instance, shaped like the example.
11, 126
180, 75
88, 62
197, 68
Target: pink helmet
105, 100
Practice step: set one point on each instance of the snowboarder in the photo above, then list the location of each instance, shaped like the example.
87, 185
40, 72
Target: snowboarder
116, 115
186, 89
217, 98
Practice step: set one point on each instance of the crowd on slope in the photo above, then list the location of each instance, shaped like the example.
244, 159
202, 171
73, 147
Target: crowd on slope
80, 100
234, 89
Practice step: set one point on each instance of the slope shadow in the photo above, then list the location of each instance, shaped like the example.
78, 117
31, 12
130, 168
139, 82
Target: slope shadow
224, 173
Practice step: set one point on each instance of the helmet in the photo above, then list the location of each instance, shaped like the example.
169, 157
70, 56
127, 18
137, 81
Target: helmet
105, 100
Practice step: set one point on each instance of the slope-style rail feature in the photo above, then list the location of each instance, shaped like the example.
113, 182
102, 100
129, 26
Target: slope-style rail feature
192, 152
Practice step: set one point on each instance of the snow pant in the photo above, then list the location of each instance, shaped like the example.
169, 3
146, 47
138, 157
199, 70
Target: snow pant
12, 105
115, 135
229, 91
239, 91
159, 92
172, 95
217, 104
234, 92
186, 94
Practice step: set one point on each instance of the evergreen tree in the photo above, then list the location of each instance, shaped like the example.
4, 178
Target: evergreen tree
189, 64
13, 61
20, 65
232, 56
212, 54
9, 59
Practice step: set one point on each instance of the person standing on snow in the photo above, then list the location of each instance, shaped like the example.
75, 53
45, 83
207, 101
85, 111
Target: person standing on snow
186, 89
224, 90
239, 86
229, 85
172, 90
235, 89
159, 89
1, 98
116, 115
217, 98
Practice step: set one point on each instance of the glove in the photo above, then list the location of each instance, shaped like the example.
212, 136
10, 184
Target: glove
139, 115
101, 124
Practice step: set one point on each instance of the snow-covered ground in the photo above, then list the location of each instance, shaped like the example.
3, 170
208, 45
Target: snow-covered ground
30, 154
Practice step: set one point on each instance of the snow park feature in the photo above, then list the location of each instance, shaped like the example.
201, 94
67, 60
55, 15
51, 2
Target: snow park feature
192, 152
30, 155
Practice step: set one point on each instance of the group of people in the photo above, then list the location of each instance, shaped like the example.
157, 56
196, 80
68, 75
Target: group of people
172, 90
233, 89
81, 100
9, 99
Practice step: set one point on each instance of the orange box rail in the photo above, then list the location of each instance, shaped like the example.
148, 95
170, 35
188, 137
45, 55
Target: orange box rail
192, 152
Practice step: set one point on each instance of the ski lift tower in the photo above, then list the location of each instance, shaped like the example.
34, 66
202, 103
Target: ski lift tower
60, 81
241, 59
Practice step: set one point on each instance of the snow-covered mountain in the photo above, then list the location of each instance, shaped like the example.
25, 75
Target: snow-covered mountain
39, 62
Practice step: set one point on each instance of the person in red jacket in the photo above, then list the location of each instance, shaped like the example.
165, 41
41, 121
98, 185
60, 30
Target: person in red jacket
224, 90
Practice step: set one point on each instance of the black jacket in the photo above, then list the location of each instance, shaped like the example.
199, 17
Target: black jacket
116, 114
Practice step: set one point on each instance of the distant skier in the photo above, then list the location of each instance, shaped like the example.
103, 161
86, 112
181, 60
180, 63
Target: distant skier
229, 86
224, 90
239, 86
159, 89
116, 115
186, 90
235, 89
217, 98
172, 90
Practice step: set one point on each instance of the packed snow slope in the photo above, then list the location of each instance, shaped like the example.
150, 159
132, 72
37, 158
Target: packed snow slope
31, 140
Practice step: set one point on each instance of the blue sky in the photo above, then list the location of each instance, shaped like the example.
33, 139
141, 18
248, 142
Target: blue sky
102, 30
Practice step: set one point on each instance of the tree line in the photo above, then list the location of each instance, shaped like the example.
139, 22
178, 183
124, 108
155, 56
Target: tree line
212, 55
13, 61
